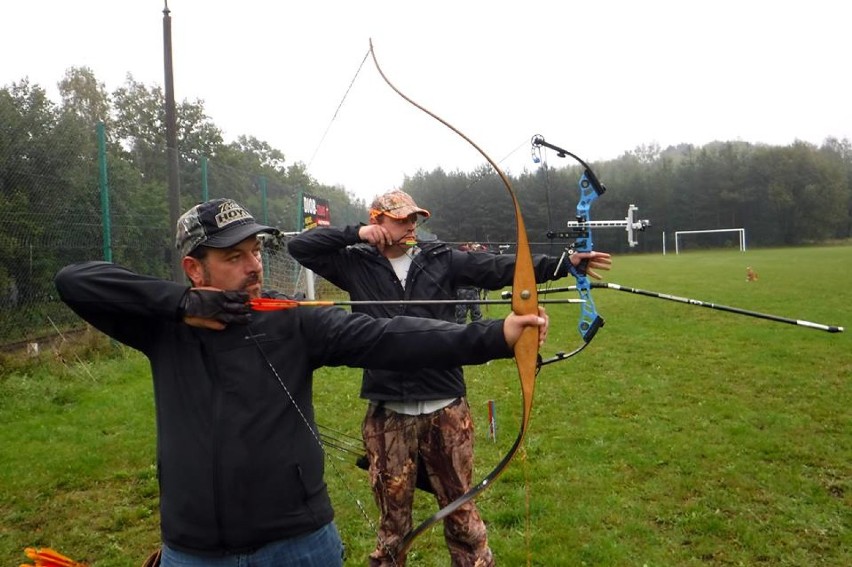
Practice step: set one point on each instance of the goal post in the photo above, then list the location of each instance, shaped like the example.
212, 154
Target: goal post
740, 232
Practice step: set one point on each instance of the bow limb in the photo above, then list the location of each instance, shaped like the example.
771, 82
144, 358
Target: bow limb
524, 302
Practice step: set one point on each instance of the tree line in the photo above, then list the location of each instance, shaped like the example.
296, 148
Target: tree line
50, 185
50, 170
782, 196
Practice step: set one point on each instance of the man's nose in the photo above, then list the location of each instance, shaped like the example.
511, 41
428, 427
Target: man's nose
255, 263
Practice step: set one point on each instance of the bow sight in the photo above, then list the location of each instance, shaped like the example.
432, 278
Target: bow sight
580, 227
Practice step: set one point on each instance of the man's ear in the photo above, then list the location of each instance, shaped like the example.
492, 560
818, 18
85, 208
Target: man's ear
193, 269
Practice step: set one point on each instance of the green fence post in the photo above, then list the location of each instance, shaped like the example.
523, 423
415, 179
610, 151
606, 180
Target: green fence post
300, 211
205, 194
104, 188
264, 207
264, 202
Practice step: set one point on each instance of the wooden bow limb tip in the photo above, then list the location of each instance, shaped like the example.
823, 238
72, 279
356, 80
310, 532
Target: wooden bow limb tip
273, 304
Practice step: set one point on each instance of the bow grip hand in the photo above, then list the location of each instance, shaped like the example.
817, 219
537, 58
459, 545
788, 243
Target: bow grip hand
585, 263
514, 325
215, 309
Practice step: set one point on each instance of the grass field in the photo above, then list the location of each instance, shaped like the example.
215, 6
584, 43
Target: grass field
680, 436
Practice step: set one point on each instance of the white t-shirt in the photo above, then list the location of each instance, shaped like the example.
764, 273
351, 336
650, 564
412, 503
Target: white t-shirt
401, 266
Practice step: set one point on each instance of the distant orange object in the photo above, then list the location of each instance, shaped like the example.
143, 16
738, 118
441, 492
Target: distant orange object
751, 275
46, 557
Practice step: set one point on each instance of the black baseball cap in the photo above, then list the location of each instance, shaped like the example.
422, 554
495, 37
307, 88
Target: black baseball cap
219, 223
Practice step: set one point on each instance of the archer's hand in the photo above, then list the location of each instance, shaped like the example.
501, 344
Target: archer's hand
375, 235
211, 308
514, 325
588, 262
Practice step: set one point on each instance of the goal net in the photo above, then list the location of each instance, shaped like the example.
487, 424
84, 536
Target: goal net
720, 239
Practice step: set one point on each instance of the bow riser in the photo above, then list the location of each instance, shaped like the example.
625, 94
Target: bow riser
525, 301
590, 189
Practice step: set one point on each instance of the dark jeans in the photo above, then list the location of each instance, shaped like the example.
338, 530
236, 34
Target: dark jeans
321, 548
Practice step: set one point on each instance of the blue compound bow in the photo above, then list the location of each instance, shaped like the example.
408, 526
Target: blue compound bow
580, 234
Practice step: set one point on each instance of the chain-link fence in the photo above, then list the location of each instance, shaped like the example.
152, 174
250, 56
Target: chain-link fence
82, 203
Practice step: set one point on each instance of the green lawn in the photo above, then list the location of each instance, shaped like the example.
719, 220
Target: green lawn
680, 436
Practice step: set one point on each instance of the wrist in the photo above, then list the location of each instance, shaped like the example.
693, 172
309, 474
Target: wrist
353, 233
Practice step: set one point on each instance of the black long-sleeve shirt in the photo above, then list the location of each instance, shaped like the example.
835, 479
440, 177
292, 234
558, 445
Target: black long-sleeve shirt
238, 466
437, 270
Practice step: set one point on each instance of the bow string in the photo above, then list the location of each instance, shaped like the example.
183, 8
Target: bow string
524, 302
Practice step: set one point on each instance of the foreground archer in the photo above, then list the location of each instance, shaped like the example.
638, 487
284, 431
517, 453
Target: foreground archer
239, 460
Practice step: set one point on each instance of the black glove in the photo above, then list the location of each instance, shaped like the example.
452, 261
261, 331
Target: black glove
578, 270
224, 306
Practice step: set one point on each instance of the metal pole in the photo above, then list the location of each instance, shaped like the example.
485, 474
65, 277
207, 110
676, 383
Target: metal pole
106, 228
264, 208
171, 141
264, 199
205, 192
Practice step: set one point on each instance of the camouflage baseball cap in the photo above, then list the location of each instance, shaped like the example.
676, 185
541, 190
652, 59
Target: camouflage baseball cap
219, 223
397, 205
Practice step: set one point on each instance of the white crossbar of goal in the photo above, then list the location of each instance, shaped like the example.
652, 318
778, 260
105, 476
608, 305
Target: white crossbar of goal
740, 231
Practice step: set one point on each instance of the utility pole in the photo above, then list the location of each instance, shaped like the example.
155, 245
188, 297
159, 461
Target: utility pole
171, 143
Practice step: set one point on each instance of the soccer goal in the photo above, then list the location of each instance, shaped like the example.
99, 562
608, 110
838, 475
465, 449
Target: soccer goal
740, 232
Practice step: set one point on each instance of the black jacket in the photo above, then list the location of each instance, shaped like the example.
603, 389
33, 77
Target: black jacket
437, 270
238, 467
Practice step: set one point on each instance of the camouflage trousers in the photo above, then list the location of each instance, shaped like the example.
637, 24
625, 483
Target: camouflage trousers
441, 441
467, 293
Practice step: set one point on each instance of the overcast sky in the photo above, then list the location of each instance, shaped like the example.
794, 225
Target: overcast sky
597, 77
